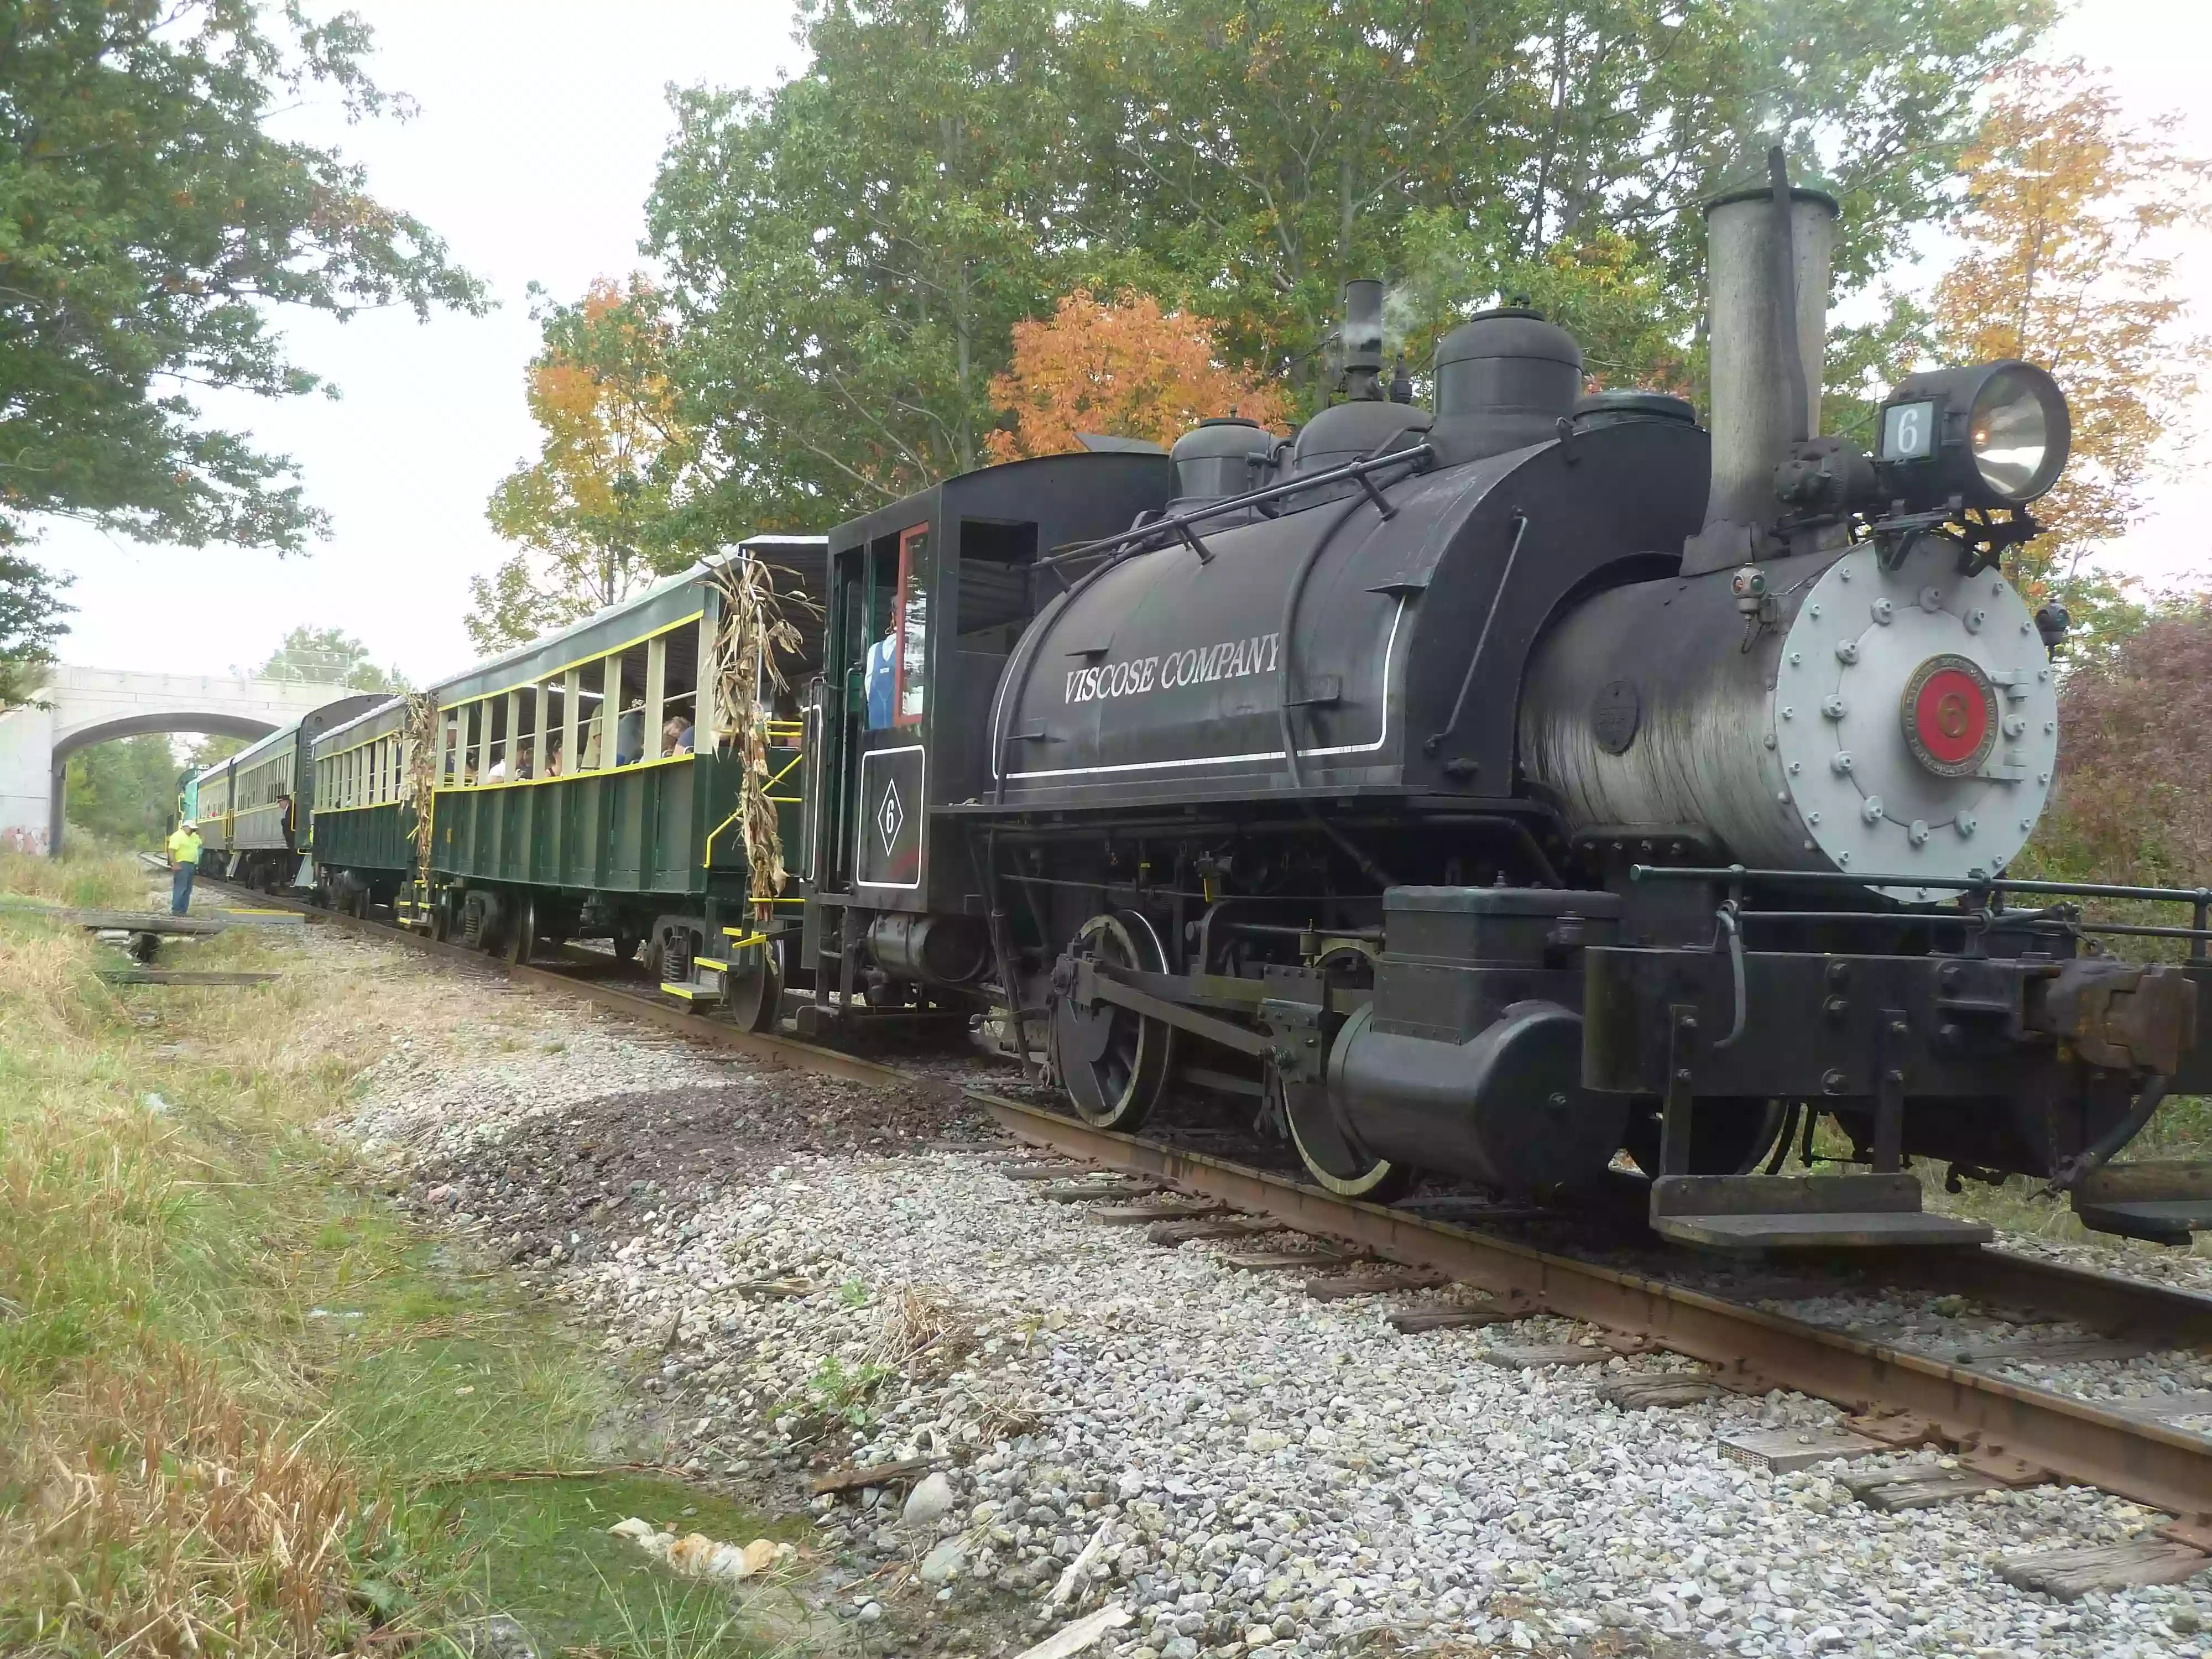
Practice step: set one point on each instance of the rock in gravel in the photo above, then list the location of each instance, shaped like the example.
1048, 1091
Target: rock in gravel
495, 1636
943, 1563
930, 1502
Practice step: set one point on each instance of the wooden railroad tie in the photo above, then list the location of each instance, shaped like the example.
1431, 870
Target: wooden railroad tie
1227, 1227
1274, 1262
1413, 1321
1058, 1169
2071, 1575
1132, 1215
1076, 1192
1664, 1389
1341, 1287
180, 976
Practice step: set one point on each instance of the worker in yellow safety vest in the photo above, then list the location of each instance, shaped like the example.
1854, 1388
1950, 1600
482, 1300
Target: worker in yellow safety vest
183, 865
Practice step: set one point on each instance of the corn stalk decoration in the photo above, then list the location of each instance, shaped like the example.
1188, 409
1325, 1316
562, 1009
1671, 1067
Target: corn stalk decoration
422, 736
753, 632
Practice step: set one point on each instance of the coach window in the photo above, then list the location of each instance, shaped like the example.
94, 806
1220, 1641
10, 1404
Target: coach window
626, 704
910, 627
479, 730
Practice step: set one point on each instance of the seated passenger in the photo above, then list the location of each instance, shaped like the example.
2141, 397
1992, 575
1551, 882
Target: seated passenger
629, 735
553, 758
675, 736
498, 773
522, 760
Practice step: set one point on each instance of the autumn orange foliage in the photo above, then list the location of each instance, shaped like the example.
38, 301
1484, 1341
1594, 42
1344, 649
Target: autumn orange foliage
2068, 264
1120, 366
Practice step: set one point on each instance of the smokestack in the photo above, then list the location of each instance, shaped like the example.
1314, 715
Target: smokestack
1363, 338
1766, 333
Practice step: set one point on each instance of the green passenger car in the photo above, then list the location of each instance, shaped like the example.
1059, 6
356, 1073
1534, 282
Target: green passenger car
364, 833
588, 787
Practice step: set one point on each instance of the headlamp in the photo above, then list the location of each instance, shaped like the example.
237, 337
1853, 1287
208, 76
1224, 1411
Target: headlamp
1993, 435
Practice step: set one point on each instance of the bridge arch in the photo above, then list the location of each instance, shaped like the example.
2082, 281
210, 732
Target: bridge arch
78, 707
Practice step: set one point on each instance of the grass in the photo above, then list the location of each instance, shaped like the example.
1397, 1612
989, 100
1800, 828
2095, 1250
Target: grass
245, 1408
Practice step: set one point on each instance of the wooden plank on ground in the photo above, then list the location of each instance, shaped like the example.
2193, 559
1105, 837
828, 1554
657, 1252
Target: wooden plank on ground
1412, 1321
180, 976
2071, 1574
1058, 1168
149, 921
871, 1474
1664, 1389
1919, 1485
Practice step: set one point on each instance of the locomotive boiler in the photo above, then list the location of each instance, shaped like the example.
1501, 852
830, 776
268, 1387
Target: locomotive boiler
1516, 789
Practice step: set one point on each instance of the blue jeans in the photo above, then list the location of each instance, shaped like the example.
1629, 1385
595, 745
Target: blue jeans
180, 887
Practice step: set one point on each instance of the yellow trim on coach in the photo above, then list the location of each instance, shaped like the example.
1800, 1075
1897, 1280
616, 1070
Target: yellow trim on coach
538, 680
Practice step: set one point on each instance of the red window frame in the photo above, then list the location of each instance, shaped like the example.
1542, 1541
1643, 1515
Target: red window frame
899, 716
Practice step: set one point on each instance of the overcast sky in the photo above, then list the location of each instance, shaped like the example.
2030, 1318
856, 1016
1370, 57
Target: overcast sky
541, 124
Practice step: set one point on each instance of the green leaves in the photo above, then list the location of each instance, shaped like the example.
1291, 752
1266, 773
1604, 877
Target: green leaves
849, 253
150, 230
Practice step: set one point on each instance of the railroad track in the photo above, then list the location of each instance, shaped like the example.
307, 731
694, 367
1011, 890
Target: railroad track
1989, 1430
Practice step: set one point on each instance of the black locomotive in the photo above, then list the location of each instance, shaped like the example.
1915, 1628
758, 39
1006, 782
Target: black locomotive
1495, 789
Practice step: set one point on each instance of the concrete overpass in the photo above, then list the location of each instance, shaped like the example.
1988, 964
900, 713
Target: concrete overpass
76, 708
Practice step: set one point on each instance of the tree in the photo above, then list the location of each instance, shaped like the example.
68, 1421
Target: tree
151, 229
1551, 147
124, 791
1122, 366
31, 612
2065, 204
849, 253
2138, 748
588, 511
328, 656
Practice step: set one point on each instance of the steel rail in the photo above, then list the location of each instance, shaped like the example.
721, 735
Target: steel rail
1752, 1350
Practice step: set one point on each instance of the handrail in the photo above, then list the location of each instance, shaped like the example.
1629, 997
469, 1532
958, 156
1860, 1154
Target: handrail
1954, 884
1178, 524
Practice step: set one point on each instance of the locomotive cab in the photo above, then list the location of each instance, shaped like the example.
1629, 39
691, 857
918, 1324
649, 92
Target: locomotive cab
925, 600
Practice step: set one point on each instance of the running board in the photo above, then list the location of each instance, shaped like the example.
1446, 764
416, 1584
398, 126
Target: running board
690, 990
2164, 1203
1795, 1212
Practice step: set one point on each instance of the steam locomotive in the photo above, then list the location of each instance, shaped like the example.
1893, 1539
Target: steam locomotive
1513, 789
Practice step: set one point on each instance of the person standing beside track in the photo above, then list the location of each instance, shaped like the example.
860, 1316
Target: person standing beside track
183, 865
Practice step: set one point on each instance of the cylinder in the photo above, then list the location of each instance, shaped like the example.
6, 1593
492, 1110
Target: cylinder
1750, 332
1506, 1107
935, 950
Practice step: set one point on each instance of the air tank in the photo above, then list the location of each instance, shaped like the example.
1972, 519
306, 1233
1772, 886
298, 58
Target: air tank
1505, 379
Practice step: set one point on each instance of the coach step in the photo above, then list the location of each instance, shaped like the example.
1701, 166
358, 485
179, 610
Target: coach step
1786, 1213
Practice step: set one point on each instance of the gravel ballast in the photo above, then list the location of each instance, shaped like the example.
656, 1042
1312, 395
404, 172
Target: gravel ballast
808, 1282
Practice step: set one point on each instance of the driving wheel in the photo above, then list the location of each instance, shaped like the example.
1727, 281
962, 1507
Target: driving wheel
1331, 1157
1114, 1063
